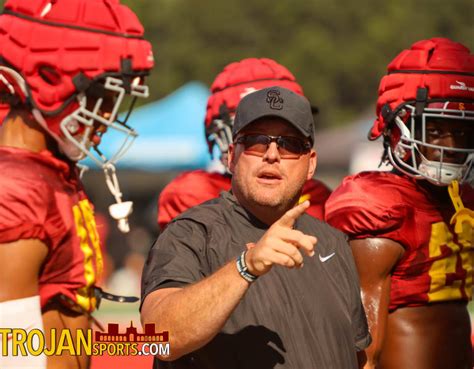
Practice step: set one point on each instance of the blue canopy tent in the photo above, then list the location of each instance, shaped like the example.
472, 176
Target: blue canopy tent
171, 133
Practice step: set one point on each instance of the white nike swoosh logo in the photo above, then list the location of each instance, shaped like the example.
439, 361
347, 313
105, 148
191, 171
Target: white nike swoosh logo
326, 258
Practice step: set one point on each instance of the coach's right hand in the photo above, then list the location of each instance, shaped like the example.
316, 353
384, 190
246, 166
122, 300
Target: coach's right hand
280, 244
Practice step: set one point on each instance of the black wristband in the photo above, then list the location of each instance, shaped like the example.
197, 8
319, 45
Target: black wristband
243, 269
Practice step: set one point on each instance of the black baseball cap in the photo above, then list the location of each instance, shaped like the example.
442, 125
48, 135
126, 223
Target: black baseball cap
275, 102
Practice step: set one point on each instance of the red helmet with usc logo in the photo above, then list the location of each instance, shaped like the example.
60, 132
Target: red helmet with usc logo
71, 63
236, 81
434, 79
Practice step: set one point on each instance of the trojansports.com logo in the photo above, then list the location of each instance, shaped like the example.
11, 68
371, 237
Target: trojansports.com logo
19, 342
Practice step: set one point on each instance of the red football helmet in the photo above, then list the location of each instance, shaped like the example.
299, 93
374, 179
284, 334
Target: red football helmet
433, 79
72, 62
231, 85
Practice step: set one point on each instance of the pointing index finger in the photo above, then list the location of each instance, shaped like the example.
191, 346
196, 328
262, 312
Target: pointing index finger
288, 219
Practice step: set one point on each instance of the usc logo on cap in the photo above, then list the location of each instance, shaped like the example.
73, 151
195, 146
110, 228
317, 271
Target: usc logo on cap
274, 99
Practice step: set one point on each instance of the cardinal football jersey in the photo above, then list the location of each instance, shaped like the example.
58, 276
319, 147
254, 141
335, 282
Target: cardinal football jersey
437, 263
41, 197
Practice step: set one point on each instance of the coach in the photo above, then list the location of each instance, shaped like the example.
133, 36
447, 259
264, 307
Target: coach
237, 281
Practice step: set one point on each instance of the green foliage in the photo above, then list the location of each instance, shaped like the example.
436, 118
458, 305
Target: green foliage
338, 50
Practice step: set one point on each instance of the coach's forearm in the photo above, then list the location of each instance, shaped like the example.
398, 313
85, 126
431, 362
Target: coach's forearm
195, 314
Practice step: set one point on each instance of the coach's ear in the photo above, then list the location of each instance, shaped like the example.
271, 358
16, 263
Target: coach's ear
313, 163
231, 158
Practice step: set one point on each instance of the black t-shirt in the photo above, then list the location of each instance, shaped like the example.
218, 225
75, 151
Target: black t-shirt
305, 318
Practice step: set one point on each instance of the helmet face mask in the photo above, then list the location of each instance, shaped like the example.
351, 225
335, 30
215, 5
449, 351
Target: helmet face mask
99, 115
409, 151
219, 133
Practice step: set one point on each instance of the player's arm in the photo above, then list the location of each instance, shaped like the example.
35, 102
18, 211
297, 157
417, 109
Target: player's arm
20, 305
21, 262
195, 314
20, 265
23, 251
57, 316
375, 259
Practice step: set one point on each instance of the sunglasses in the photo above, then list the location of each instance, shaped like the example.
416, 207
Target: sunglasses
289, 147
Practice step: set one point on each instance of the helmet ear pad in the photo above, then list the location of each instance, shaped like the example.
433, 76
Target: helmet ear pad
50, 74
393, 135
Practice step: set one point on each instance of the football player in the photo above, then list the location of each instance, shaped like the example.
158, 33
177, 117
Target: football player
411, 229
65, 69
234, 82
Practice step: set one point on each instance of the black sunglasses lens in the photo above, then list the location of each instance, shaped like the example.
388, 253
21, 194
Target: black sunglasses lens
257, 144
288, 147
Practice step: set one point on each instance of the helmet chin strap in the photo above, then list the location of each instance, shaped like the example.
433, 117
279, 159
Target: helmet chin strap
463, 218
120, 211
72, 152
